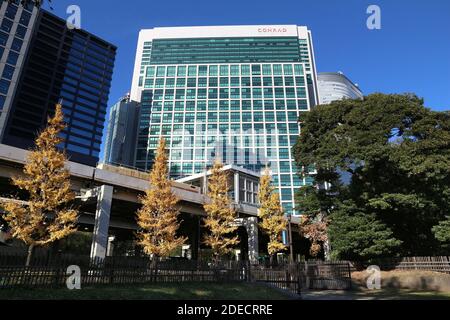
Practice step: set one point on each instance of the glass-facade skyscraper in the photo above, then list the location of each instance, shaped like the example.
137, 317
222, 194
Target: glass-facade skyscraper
44, 62
233, 92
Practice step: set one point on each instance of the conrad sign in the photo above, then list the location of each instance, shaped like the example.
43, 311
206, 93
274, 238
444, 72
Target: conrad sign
272, 30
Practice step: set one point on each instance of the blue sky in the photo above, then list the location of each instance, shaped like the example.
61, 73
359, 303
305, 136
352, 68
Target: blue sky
411, 53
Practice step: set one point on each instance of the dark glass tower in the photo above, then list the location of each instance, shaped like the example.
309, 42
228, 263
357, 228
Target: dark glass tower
58, 64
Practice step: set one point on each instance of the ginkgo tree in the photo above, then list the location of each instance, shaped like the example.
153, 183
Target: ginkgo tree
48, 214
158, 217
220, 215
272, 219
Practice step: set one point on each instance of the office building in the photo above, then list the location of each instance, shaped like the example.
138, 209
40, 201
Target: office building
120, 144
336, 86
44, 62
228, 92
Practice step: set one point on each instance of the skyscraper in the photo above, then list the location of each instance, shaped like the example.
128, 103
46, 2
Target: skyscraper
44, 62
336, 86
233, 92
120, 143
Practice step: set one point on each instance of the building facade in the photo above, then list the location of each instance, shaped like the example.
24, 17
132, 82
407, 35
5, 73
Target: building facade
120, 143
43, 62
335, 86
232, 92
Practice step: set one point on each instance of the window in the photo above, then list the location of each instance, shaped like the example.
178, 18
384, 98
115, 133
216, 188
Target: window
8, 72
4, 86
21, 31
6, 25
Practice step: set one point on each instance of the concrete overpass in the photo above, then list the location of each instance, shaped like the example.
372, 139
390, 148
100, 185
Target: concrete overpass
109, 197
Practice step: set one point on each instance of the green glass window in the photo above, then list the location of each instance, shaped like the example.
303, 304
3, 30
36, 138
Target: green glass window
246, 93
192, 71
246, 105
245, 81
213, 82
267, 70
224, 105
179, 105
234, 82
213, 71
257, 105
181, 82
212, 105
285, 167
256, 69
203, 70
171, 71
280, 104
256, 81
202, 82
235, 117
150, 72
277, 71
292, 116
181, 71
291, 104
268, 105
298, 70
170, 82
224, 82
234, 70
224, 117
212, 93
267, 81
234, 93
159, 83
258, 117
289, 81
290, 93
287, 68
190, 94
257, 93
246, 116
180, 94
301, 92
160, 71
201, 94
224, 70
300, 81
278, 81
279, 93
268, 93
201, 105
302, 104
245, 70
293, 128
235, 104
191, 82
281, 116
224, 94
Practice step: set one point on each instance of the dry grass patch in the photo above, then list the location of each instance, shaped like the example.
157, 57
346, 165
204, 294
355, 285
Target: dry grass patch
411, 280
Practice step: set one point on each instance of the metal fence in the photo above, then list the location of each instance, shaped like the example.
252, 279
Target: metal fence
46, 271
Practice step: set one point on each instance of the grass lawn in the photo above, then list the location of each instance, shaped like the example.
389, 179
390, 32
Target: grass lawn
168, 291
383, 294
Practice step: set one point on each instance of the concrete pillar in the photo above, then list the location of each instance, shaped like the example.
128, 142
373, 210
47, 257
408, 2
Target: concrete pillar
251, 225
102, 215
110, 249
236, 187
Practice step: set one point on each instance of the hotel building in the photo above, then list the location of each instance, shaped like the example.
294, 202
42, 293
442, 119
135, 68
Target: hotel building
228, 92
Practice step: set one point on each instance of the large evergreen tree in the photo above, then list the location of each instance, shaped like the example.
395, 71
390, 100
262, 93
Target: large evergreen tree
47, 216
158, 217
389, 157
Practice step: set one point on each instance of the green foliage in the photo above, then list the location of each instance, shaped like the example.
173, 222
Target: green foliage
442, 231
360, 236
396, 156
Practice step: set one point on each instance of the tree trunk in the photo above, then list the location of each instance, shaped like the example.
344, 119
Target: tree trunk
29, 255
